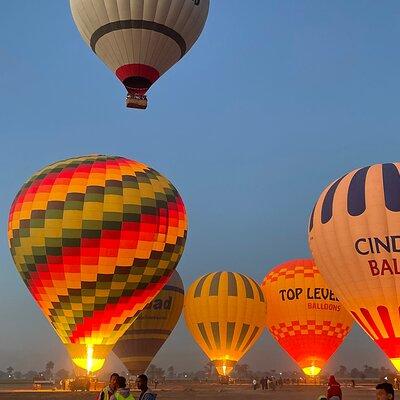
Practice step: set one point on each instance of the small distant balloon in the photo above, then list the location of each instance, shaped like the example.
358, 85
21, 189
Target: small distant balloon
225, 313
139, 40
304, 315
95, 238
145, 337
354, 236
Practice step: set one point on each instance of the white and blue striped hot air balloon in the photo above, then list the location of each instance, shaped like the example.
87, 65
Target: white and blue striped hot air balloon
139, 40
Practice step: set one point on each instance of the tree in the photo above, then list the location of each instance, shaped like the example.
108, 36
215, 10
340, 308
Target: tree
342, 372
31, 375
10, 372
62, 374
151, 371
171, 372
49, 370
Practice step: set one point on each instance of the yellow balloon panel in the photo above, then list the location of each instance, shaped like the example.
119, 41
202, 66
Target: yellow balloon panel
304, 315
225, 313
354, 236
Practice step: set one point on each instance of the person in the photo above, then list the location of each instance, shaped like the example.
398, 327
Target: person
334, 390
145, 392
254, 384
262, 383
384, 391
323, 397
155, 383
109, 390
122, 392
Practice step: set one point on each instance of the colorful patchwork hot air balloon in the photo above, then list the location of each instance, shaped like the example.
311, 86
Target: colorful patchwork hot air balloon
139, 40
304, 315
95, 239
354, 236
144, 338
225, 313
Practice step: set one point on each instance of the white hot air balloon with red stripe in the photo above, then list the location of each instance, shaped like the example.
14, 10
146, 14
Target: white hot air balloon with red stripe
139, 40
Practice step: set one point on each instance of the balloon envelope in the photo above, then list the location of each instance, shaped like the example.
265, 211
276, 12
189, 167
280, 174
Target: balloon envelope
304, 315
225, 313
354, 236
144, 338
139, 40
95, 238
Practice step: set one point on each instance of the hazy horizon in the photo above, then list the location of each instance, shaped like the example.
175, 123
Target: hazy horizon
276, 100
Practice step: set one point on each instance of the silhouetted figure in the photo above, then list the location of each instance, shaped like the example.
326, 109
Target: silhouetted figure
122, 392
145, 392
109, 390
384, 391
334, 390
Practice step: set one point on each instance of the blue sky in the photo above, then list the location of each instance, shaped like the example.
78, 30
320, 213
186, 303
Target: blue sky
277, 99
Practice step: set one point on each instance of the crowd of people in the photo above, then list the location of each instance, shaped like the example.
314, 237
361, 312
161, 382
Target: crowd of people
117, 389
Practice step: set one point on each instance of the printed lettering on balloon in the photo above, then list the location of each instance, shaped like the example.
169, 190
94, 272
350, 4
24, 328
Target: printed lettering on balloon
384, 245
313, 294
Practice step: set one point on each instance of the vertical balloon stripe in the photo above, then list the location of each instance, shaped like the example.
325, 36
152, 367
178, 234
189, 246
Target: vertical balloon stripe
327, 205
259, 290
356, 194
214, 286
361, 323
366, 314
203, 333
199, 287
248, 288
253, 335
311, 223
387, 322
232, 284
230, 331
391, 185
243, 333
216, 334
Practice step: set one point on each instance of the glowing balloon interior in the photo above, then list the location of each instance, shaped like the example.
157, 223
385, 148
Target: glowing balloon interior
144, 338
304, 315
225, 313
354, 236
95, 239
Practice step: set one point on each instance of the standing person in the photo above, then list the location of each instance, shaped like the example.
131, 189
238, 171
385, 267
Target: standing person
384, 391
262, 383
254, 384
334, 390
145, 392
109, 390
155, 383
122, 392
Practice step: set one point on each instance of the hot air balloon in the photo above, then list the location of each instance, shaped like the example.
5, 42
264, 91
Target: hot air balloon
304, 315
354, 235
139, 40
95, 239
144, 338
225, 313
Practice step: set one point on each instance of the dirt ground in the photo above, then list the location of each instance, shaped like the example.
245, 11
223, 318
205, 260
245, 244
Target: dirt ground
190, 391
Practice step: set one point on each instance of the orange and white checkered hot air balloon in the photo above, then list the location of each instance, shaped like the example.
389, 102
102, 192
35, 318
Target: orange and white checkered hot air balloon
95, 238
304, 315
354, 236
225, 313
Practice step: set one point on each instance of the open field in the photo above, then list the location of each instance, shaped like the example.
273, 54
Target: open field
205, 391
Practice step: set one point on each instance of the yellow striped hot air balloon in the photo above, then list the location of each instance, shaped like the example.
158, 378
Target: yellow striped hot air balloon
141, 342
225, 313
